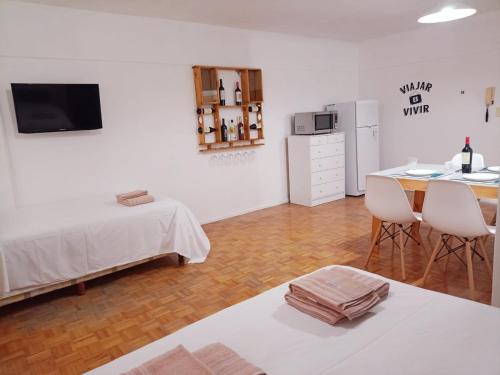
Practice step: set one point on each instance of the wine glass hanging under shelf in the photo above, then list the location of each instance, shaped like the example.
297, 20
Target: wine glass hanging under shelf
228, 119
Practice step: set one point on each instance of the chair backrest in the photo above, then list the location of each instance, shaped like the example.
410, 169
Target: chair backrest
477, 161
452, 208
386, 200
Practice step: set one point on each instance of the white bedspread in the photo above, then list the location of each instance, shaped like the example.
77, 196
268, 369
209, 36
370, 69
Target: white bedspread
413, 331
45, 244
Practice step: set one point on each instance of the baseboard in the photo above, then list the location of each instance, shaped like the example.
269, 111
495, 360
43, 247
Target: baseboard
242, 212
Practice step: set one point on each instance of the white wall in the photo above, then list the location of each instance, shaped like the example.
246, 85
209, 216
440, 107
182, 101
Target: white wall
6, 190
143, 67
462, 55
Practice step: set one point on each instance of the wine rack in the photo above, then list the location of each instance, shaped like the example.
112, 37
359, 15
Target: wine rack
210, 112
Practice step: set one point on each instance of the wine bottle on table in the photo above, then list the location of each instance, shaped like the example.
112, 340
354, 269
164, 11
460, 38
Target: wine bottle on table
241, 130
222, 93
237, 94
467, 157
223, 131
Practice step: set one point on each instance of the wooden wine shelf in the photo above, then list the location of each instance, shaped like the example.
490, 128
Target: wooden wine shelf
233, 145
227, 106
206, 82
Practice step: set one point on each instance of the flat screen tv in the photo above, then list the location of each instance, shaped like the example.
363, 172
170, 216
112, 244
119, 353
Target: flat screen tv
42, 108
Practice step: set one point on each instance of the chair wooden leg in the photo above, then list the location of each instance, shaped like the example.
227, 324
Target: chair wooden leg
470, 271
375, 223
431, 261
493, 220
421, 242
482, 249
375, 239
447, 258
393, 226
430, 232
402, 250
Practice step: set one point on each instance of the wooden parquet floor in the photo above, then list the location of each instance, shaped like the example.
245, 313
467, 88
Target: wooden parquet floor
62, 333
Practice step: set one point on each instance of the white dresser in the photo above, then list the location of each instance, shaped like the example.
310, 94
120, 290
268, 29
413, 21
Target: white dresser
316, 168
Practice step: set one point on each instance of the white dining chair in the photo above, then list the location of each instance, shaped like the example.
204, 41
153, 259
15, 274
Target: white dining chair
477, 161
387, 201
477, 164
451, 208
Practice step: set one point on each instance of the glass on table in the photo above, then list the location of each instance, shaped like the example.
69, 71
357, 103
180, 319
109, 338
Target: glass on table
412, 162
449, 167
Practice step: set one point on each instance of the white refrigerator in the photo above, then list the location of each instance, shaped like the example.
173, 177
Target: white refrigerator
360, 123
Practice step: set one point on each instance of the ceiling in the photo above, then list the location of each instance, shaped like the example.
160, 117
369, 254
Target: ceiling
353, 20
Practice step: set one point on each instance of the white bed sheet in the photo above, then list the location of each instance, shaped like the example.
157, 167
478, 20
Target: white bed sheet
413, 331
44, 244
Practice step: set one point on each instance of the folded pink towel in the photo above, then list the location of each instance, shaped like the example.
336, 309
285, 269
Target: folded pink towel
213, 359
143, 199
131, 194
178, 361
224, 361
327, 315
333, 294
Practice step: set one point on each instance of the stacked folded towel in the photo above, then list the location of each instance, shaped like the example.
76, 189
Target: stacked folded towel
213, 359
135, 198
335, 294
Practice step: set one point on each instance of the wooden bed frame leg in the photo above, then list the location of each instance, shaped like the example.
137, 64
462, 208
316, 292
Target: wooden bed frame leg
181, 260
80, 288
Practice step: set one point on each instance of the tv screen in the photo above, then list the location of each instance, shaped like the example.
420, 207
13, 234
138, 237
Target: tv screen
44, 107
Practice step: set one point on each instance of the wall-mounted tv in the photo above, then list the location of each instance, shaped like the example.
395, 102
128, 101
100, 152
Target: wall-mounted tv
42, 108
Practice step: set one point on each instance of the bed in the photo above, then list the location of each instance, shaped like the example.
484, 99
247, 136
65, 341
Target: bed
48, 246
413, 331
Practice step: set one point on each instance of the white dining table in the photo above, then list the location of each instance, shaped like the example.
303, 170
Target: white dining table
482, 190
418, 185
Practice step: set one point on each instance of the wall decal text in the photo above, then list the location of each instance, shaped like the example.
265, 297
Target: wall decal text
414, 90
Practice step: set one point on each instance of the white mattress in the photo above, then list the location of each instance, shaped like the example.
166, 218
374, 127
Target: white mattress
413, 331
49, 243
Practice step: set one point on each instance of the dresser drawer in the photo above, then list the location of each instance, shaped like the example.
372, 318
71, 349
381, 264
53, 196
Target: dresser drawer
323, 164
322, 177
335, 138
318, 140
327, 176
330, 188
322, 151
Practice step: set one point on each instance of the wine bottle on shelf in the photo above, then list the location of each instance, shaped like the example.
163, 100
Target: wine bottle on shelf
253, 126
210, 130
253, 108
223, 130
467, 157
237, 94
222, 93
205, 111
241, 130
232, 131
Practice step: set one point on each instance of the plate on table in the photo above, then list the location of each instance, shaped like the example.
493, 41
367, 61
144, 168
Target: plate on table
481, 177
494, 169
420, 172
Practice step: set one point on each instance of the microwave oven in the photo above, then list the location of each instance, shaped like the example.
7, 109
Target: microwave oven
315, 122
